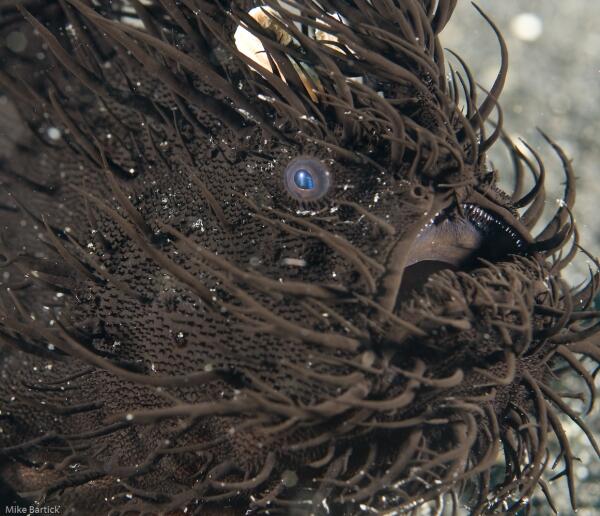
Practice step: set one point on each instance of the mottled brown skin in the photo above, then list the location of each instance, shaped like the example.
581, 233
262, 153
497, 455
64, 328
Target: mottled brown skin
158, 351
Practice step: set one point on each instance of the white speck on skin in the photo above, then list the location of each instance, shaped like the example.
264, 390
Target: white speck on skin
16, 41
294, 262
289, 478
53, 133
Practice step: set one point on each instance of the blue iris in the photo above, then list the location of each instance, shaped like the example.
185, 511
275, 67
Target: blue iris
304, 179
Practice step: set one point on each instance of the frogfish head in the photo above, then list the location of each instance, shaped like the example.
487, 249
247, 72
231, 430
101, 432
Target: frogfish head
255, 260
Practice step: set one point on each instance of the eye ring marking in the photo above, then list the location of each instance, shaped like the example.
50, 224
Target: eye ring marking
307, 179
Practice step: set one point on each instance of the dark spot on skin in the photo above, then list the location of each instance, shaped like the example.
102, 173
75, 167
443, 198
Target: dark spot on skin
186, 325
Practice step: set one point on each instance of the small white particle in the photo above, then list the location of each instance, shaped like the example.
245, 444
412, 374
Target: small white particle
527, 26
289, 478
53, 133
16, 41
294, 262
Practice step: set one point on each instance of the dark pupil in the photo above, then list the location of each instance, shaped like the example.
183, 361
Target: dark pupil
303, 179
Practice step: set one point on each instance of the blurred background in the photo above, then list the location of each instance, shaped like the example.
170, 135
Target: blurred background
553, 83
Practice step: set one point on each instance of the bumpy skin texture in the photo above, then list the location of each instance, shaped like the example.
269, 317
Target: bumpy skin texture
179, 333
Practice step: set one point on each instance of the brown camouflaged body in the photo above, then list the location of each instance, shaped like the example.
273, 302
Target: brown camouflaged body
162, 350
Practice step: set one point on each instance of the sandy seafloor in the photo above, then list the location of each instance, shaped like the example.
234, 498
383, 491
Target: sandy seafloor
554, 84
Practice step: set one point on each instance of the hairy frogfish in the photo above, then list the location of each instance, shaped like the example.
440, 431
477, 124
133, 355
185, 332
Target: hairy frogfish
254, 259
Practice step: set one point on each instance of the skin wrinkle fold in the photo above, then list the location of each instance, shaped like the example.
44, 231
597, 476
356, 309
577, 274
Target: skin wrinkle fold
180, 333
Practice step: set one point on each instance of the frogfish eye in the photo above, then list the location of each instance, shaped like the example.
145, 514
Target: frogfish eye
307, 179
303, 179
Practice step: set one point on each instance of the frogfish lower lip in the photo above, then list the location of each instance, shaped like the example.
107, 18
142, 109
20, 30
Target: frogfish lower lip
452, 241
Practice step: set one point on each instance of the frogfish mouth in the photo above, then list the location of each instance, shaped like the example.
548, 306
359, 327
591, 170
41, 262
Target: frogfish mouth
255, 260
